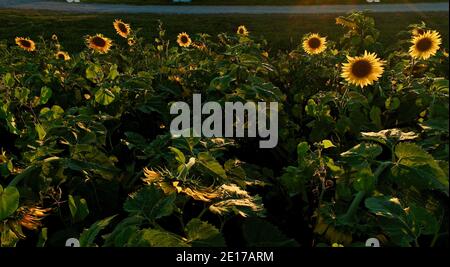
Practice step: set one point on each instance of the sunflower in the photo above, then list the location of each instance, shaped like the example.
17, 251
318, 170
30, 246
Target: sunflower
30, 217
122, 28
131, 41
62, 55
25, 44
184, 40
363, 70
314, 44
151, 176
425, 45
99, 43
242, 30
346, 23
417, 31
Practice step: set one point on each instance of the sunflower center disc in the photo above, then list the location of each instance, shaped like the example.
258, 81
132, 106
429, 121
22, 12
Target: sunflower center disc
314, 43
424, 44
25, 43
184, 39
99, 41
123, 28
361, 68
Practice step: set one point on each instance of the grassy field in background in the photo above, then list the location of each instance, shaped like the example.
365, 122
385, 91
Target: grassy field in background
255, 2
281, 31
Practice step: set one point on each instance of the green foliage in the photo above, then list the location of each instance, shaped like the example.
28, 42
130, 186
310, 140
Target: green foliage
89, 138
9, 201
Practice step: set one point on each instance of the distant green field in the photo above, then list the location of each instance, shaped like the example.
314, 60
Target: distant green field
281, 31
256, 2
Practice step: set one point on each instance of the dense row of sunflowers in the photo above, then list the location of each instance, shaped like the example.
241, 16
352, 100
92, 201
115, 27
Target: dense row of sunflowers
360, 70
363, 141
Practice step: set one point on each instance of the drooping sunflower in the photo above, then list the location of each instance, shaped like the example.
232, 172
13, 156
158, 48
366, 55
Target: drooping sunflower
242, 30
314, 44
62, 55
184, 40
346, 23
30, 217
425, 45
122, 28
99, 43
26, 44
363, 70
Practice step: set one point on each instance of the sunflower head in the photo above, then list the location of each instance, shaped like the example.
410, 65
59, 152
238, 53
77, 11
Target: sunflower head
425, 45
184, 40
417, 31
242, 30
363, 70
26, 44
122, 28
346, 23
30, 217
99, 43
314, 44
62, 55
131, 41
199, 45
151, 176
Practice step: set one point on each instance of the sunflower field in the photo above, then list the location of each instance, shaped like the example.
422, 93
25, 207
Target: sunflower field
86, 151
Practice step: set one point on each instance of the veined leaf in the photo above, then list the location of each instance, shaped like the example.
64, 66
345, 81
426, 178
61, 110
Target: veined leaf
9, 201
210, 163
203, 234
87, 238
150, 203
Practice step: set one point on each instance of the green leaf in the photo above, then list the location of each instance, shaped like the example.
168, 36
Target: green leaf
415, 167
104, 96
403, 225
294, 181
8, 237
221, 83
179, 156
392, 103
113, 72
375, 116
389, 135
94, 73
385, 206
211, 164
46, 94
22, 94
40, 131
260, 233
150, 202
302, 152
364, 180
327, 144
203, 234
43, 236
156, 238
9, 201
123, 232
8, 80
424, 222
78, 208
88, 236
361, 153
